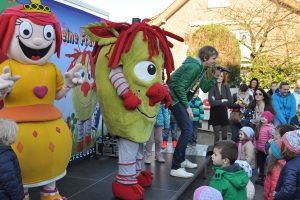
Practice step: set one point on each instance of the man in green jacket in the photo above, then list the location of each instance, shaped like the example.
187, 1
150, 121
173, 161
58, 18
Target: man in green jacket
185, 81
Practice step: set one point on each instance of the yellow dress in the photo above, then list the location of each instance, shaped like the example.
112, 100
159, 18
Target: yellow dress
44, 141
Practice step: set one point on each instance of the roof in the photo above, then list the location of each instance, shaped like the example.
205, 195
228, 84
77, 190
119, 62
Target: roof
162, 17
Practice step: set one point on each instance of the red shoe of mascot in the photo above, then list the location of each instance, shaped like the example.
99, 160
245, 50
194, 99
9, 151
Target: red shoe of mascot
30, 35
130, 64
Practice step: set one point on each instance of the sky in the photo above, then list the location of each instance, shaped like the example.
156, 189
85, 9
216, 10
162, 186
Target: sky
125, 10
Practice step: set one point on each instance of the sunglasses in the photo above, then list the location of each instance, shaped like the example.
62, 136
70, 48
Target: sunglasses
260, 94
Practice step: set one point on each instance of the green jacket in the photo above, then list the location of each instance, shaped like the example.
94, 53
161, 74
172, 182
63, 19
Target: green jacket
185, 78
231, 181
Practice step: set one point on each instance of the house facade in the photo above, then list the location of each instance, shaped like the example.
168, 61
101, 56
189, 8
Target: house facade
276, 21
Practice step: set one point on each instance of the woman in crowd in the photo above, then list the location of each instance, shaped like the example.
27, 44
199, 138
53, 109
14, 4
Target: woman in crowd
219, 98
253, 86
262, 102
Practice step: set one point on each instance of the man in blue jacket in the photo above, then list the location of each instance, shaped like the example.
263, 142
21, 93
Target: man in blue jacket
185, 81
284, 104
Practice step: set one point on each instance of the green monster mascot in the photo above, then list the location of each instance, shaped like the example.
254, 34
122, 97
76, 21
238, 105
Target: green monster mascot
130, 62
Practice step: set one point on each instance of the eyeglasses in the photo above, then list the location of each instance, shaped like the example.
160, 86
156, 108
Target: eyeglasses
259, 94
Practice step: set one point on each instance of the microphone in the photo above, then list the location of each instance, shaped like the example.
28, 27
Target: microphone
222, 69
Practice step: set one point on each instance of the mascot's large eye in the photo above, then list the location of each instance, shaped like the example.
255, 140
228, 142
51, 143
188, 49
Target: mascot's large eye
145, 70
25, 30
49, 32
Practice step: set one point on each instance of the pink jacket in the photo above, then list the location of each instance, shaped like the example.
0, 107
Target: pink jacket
271, 180
263, 136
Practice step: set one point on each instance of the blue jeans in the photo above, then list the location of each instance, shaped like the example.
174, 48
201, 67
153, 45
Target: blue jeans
186, 126
173, 129
235, 132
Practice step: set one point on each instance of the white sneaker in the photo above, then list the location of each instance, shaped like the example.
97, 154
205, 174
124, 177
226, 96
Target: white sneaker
181, 173
188, 164
147, 159
159, 158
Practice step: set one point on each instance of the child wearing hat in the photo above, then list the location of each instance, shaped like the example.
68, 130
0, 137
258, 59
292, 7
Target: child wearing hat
10, 174
248, 169
245, 146
274, 167
277, 133
288, 185
263, 134
207, 193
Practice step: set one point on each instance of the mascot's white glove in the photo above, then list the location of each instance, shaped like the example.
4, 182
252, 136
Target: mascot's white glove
7, 81
72, 77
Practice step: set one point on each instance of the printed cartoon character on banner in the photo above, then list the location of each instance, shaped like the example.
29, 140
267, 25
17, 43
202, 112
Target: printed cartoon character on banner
30, 35
84, 97
130, 62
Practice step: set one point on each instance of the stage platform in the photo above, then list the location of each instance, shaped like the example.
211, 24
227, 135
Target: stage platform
90, 179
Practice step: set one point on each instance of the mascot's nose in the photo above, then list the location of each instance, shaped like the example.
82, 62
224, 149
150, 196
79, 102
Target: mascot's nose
157, 93
85, 87
37, 41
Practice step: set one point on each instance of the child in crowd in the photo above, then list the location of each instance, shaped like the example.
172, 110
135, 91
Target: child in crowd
207, 193
295, 121
277, 133
173, 129
250, 187
274, 167
10, 175
263, 135
288, 185
162, 122
245, 146
198, 111
229, 178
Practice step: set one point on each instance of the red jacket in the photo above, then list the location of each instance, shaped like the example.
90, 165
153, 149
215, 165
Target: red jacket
271, 180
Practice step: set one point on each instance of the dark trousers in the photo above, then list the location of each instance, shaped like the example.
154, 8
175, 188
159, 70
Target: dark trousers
217, 130
235, 128
196, 125
173, 129
186, 126
261, 161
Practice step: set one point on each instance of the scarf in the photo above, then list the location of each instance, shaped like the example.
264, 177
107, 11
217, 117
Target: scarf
297, 90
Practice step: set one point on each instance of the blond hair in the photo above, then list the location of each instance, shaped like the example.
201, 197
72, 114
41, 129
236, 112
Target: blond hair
8, 132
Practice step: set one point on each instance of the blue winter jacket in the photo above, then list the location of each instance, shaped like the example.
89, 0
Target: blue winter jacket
163, 117
285, 107
288, 185
11, 187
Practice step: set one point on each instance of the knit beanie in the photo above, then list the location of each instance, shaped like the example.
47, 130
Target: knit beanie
245, 165
206, 192
248, 131
276, 149
268, 115
292, 141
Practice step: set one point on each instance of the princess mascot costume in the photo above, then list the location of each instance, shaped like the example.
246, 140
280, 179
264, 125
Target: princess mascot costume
29, 35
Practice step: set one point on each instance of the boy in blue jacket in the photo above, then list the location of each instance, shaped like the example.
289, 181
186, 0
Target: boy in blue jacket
11, 187
198, 111
288, 185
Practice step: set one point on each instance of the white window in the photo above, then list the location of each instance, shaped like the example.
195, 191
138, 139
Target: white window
218, 3
243, 37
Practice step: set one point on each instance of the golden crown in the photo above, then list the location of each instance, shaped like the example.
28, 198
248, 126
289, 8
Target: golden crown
36, 6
